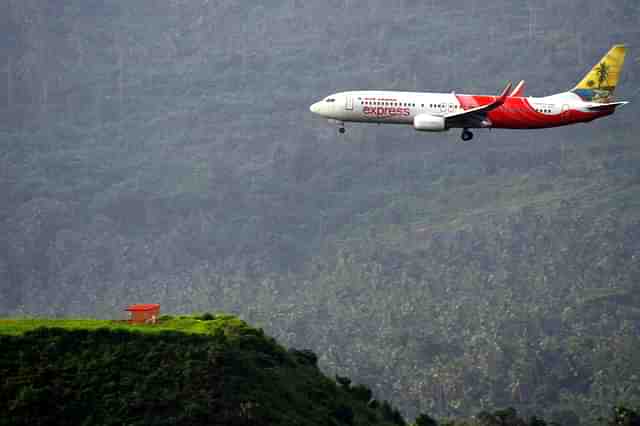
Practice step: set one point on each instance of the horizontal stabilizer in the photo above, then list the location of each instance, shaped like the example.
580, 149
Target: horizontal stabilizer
601, 107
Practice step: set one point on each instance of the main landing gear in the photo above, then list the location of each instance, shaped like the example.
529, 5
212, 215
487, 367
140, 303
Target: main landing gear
466, 135
340, 125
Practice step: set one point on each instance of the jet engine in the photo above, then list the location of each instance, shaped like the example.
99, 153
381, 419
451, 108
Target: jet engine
429, 123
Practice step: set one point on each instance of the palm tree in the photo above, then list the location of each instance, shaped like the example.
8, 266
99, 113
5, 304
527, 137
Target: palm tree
603, 73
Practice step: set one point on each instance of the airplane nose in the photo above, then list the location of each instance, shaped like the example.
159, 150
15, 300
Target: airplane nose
315, 108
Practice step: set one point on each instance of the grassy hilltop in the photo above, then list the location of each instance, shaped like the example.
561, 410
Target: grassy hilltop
190, 370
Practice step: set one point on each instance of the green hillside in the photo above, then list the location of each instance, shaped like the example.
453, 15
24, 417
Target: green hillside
213, 370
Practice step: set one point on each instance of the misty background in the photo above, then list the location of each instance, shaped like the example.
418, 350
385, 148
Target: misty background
163, 152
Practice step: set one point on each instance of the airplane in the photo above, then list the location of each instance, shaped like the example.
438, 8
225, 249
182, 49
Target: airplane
591, 98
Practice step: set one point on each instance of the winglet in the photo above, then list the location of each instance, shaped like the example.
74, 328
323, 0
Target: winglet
503, 96
519, 90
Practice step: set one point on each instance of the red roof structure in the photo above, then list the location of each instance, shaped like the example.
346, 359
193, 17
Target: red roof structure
144, 313
143, 307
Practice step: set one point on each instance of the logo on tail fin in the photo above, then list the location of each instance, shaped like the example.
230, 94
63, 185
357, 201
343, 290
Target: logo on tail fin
600, 83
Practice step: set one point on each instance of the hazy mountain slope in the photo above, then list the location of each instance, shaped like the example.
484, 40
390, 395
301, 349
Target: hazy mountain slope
163, 151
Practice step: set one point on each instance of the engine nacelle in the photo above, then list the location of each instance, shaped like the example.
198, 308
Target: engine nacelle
429, 123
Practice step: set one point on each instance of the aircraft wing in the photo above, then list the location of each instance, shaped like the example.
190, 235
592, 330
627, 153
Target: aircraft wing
475, 115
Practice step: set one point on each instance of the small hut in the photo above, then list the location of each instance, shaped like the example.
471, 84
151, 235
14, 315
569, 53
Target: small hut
144, 313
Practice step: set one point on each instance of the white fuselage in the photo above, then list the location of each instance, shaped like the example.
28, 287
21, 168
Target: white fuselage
404, 107
384, 106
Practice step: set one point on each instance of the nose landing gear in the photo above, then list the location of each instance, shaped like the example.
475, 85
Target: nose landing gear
466, 135
341, 130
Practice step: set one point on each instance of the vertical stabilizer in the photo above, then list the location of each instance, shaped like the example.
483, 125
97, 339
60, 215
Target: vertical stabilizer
599, 84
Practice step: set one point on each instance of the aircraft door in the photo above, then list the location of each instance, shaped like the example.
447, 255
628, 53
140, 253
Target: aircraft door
566, 113
348, 103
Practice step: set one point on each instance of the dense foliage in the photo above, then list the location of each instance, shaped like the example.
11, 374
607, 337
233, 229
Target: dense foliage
230, 374
163, 152
618, 416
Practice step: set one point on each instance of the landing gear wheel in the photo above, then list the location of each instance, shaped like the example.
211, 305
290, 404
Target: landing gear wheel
466, 135
341, 130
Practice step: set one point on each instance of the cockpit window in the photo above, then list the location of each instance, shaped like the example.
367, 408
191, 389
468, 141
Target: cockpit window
330, 100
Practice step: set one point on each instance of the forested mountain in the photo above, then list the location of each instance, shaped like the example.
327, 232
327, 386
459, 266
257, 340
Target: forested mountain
164, 152
209, 370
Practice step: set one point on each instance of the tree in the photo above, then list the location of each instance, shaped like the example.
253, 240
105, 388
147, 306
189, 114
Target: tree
623, 416
603, 73
344, 414
537, 421
345, 382
361, 393
425, 420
